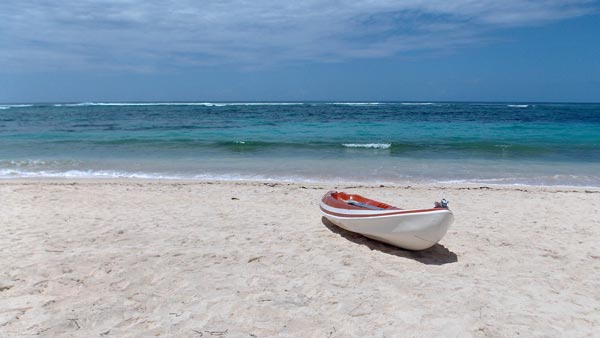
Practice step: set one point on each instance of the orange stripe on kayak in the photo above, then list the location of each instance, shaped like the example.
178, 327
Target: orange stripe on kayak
383, 214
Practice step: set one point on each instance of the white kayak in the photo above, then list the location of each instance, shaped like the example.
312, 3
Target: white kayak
415, 229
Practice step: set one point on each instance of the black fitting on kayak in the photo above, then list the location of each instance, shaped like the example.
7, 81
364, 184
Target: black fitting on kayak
442, 204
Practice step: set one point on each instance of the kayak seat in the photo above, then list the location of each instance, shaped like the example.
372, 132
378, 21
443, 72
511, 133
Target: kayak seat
363, 205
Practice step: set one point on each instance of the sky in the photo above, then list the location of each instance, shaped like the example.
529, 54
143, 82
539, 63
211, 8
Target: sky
272, 50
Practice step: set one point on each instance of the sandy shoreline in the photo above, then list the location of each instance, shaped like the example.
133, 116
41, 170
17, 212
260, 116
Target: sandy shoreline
139, 258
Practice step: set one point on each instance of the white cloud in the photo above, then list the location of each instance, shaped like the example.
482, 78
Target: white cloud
151, 34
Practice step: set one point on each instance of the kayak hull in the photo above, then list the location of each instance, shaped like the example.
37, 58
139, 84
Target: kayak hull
417, 229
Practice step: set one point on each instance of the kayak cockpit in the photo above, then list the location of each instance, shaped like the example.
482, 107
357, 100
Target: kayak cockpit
352, 201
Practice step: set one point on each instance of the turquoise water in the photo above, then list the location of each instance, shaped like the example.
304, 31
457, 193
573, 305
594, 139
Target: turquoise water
372, 142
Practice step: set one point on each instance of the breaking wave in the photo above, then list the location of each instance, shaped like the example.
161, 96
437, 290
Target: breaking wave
356, 103
120, 174
8, 106
368, 145
205, 104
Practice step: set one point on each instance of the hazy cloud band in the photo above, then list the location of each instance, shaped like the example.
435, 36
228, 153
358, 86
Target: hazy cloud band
149, 35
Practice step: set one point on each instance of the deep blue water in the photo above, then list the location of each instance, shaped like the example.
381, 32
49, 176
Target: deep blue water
537, 143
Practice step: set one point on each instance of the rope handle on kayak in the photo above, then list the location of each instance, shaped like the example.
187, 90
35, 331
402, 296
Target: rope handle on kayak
442, 204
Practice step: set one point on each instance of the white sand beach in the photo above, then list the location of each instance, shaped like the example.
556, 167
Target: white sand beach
135, 258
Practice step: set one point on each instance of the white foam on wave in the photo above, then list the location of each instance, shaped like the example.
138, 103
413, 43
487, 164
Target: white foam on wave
356, 103
264, 104
517, 105
368, 145
205, 104
551, 180
558, 180
84, 104
417, 103
115, 174
14, 173
8, 106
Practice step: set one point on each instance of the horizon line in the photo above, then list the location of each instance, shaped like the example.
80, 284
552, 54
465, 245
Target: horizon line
294, 101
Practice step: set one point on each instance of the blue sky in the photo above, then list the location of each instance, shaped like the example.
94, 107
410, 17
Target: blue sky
236, 50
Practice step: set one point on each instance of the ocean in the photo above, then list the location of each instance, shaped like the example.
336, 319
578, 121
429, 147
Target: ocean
361, 142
